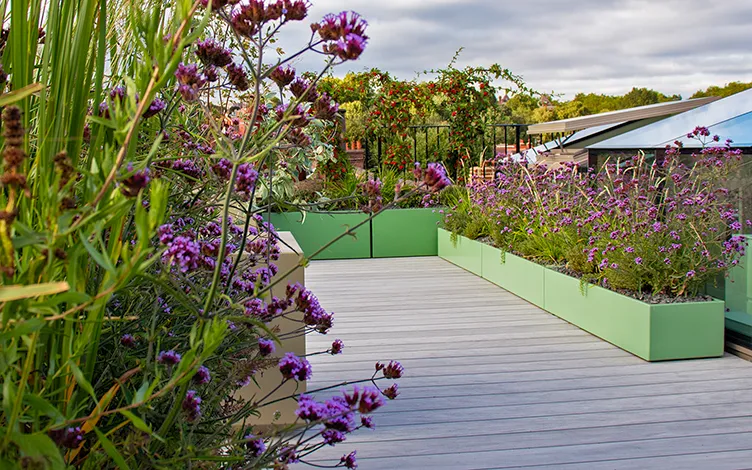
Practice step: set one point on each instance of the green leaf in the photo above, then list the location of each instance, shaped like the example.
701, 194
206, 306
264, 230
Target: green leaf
82, 382
42, 406
140, 424
103, 122
144, 392
111, 450
158, 195
39, 445
23, 328
98, 258
8, 356
18, 292
18, 95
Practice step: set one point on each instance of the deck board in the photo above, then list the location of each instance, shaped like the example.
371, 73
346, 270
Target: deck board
495, 382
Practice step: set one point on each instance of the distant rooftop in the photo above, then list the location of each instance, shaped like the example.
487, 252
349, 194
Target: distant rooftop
615, 117
729, 118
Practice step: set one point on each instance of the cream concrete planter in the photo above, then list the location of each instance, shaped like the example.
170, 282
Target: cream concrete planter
269, 379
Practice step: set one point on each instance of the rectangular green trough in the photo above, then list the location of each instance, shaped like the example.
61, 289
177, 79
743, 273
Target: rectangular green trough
315, 230
652, 332
391, 234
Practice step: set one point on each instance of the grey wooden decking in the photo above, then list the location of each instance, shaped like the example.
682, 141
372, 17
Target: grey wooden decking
494, 382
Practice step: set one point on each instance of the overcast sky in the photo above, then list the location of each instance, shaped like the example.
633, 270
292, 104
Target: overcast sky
565, 46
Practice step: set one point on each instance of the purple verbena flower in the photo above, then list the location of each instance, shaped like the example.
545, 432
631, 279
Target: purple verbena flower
169, 358
337, 346
266, 346
192, 405
255, 445
202, 376
128, 340
293, 367
349, 461
210, 52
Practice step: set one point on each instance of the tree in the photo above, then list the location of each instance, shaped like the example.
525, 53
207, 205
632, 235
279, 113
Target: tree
724, 91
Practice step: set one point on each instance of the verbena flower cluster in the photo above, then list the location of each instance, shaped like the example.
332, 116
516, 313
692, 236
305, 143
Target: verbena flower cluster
152, 309
666, 226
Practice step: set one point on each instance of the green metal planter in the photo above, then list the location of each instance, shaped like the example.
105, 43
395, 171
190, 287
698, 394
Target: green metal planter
391, 234
652, 332
316, 230
405, 232
465, 253
519, 276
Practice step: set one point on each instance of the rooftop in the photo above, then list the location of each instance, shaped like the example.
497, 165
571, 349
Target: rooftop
613, 117
495, 382
729, 118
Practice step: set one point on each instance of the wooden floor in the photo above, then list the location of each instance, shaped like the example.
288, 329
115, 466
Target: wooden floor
494, 382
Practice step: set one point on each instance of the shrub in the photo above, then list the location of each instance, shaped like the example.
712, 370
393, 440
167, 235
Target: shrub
661, 227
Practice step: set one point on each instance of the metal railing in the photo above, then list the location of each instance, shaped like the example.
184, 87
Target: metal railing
431, 143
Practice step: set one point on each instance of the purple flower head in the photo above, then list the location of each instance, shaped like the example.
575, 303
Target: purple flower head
192, 405
117, 94
349, 461
190, 81
691, 273
370, 400
435, 177
367, 422
202, 376
333, 436
168, 358
393, 370
257, 309
237, 76
246, 179
188, 168
295, 10
183, 252
287, 455
127, 340
293, 367
334, 27
324, 108
310, 410
297, 117
210, 73
135, 182
348, 48
255, 445
210, 52
283, 76
337, 346
303, 89
156, 107
266, 346
70, 438
391, 392
165, 234
223, 168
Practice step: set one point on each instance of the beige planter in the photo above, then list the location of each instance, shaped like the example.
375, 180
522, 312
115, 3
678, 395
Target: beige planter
269, 379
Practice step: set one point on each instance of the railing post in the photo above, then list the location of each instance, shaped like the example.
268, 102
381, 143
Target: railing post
378, 153
517, 138
415, 143
366, 155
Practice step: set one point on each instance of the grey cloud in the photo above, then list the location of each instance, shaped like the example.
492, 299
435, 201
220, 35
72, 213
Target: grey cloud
602, 46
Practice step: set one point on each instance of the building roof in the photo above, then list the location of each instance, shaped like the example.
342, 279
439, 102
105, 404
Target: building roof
624, 115
729, 118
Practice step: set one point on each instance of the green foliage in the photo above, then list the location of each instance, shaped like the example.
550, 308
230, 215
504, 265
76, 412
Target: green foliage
723, 91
